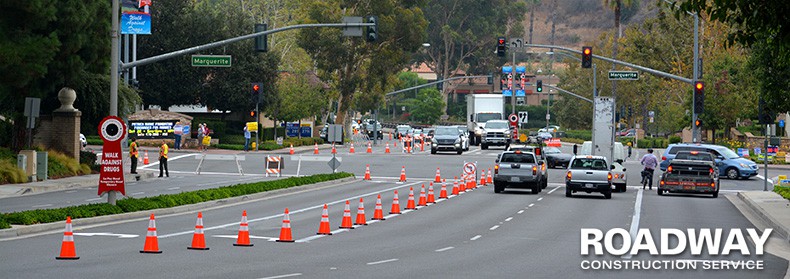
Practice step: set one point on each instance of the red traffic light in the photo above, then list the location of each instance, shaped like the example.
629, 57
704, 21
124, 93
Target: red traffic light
252, 113
256, 87
699, 85
501, 41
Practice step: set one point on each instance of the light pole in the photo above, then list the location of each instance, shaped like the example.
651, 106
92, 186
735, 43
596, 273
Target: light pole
695, 134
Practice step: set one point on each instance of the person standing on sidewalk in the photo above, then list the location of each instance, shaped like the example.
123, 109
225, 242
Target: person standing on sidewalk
163, 149
246, 139
178, 129
200, 137
133, 154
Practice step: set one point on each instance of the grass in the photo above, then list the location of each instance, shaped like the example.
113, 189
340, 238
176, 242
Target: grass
782, 191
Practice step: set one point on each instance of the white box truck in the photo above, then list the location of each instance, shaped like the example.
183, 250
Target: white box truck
480, 108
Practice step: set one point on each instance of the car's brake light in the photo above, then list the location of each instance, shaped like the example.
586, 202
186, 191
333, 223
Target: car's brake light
518, 152
534, 170
537, 151
496, 169
711, 171
663, 158
568, 175
713, 184
662, 182
669, 169
609, 177
694, 152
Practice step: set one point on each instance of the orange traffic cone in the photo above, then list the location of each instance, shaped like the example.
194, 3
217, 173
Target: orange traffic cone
334, 151
198, 239
410, 202
244, 232
438, 176
462, 184
367, 172
473, 180
323, 228
370, 149
456, 190
387, 148
67, 251
443, 191
482, 178
151, 241
395, 204
489, 178
422, 201
285, 230
431, 198
291, 151
346, 222
351, 150
145, 158
402, 174
315, 150
361, 220
378, 214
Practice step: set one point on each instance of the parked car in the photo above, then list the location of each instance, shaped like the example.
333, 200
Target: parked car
519, 169
83, 140
729, 163
544, 135
588, 174
401, 130
690, 172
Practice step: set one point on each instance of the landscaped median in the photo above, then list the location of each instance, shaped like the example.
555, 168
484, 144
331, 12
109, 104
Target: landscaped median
783, 191
163, 201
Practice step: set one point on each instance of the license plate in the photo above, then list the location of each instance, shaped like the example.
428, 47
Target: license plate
687, 183
515, 179
588, 185
686, 187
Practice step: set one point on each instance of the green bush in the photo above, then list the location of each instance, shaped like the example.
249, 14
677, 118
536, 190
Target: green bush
268, 133
88, 158
10, 173
235, 139
579, 134
783, 191
163, 201
6, 153
675, 139
230, 146
60, 165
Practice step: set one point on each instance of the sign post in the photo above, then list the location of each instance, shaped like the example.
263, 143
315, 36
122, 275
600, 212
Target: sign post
623, 75
112, 130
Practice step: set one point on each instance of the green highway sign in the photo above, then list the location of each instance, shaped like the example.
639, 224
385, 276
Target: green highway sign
211, 60
623, 75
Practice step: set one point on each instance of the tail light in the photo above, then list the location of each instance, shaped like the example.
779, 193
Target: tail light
568, 176
711, 171
663, 158
534, 170
609, 176
496, 169
537, 151
662, 182
669, 169
713, 184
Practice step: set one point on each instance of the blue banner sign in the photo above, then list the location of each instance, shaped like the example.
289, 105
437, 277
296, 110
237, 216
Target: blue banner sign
521, 69
507, 69
136, 23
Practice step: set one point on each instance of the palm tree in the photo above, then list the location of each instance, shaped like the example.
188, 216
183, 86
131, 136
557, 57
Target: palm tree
616, 5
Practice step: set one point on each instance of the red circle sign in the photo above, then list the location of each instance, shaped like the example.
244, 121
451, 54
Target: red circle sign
513, 119
112, 129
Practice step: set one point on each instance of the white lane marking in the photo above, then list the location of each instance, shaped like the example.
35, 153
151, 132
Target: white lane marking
119, 235
156, 163
282, 276
293, 212
531, 204
41, 205
251, 236
94, 199
520, 211
635, 218
70, 191
552, 190
763, 178
173, 188
493, 228
381, 262
508, 219
540, 199
476, 237
136, 193
444, 249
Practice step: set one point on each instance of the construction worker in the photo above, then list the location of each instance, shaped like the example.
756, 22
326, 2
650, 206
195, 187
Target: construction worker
133, 154
163, 149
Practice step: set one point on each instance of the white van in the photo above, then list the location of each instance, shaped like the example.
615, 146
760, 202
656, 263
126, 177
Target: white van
618, 173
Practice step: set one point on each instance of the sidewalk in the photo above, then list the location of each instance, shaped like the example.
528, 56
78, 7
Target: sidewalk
49, 185
772, 209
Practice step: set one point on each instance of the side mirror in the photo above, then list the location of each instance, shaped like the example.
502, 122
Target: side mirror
541, 162
619, 161
575, 149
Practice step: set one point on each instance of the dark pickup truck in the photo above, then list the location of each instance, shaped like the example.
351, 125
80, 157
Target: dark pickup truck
691, 172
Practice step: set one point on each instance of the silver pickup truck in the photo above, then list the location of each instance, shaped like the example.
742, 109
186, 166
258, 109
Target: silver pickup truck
517, 169
588, 174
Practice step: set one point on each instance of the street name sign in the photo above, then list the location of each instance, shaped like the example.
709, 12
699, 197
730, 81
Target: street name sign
623, 75
211, 60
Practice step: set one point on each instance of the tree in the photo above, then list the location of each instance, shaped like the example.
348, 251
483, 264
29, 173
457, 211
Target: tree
427, 107
616, 5
351, 62
302, 96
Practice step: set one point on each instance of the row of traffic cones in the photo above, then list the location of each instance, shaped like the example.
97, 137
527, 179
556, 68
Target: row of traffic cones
315, 150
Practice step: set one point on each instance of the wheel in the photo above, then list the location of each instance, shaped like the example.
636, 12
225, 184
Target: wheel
433, 151
620, 188
545, 184
483, 146
716, 194
536, 188
732, 173
550, 164
607, 195
568, 192
459, 152
507, 146
660, 192
498, 188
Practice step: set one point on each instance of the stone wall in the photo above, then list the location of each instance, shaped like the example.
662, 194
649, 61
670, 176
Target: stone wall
61, 130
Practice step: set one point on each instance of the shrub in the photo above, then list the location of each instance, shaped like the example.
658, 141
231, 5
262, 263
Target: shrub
60, 165
783, 191
10, 173
230, 146
579, 134
675, 139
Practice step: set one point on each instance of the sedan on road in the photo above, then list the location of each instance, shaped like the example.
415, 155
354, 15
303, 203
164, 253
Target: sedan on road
446, 138
555, 157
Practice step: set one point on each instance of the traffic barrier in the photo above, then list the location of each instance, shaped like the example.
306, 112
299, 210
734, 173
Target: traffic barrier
422, 201
438, 177
456, 190
285, 230
351, 150
462, 184
315, 150
370, 149
387, 148
367, 172
443, 191
402, 174
291, 150
273, 166
378, 214
346, 222
553, 142
395, 204
410, 202
323, 228
489, 178
422, 144
243, 238
145, 158
431, 198
361, 220
198, 238
67, 251
151, 241
482, 177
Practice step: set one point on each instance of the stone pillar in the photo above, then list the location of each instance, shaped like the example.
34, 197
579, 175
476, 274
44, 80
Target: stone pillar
66, 132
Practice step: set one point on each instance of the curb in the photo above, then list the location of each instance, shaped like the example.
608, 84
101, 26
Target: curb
7, 234
769, 220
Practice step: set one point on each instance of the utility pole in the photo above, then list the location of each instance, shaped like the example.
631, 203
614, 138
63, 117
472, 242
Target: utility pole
114, 72
513, 92
695, 133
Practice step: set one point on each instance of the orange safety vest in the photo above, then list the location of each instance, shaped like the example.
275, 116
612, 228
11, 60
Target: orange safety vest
163, 151
133, 149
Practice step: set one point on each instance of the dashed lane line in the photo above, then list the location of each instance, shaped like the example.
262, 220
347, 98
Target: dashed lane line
381, 262
509, 218
282, 276
444, 249
476, 237
520, 211
493, 228
635, 219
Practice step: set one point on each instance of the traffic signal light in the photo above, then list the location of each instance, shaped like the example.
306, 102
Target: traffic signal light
252, 113
256, 91
698, 123
500, 46
587, 57
540, 86
765, 116
372, 33
699, 97
261, 43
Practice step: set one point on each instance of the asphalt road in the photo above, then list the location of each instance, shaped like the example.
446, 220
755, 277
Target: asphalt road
477, 234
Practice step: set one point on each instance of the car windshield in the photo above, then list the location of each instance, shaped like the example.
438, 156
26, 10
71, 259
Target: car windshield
727, 153
446, 131
484, 117
589, 164
552, 150
517, 158
496, 125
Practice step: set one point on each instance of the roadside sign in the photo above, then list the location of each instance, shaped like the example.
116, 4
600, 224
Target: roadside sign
623, 75
112, 130
211, 60
334, 163
513, 118
470, 168
523, 117
781, 123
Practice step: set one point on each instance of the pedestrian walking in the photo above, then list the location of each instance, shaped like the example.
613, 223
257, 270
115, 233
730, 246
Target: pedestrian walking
133, 154
246, 139
163, 149
200, 136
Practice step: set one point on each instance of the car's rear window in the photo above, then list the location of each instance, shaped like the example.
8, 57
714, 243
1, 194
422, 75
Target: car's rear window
701, 156
676, 149
589, 164
517, 158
